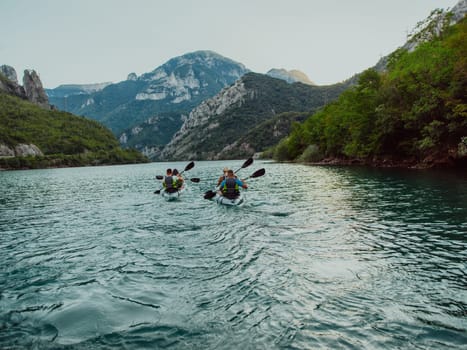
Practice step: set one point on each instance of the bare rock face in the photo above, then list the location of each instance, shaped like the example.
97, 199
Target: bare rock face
459, 11
34, 90
20, 150
132, 76
9, 72
6, 151
203, 119
23, 150
9, 82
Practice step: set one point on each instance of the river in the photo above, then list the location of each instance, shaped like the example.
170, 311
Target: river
318, 257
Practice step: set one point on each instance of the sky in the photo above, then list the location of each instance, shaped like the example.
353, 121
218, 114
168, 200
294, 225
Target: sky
95, 41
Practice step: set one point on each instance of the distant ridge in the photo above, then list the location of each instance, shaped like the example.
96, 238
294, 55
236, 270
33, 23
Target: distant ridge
291, 76
66, 90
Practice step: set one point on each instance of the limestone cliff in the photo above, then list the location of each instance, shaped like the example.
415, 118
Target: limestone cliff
203, 119
20, 150
31, 90
212, 129
9, 82
35, 93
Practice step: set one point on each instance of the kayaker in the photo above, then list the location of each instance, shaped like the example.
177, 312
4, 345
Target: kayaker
223, 176
230, 187
179, 179
169, 183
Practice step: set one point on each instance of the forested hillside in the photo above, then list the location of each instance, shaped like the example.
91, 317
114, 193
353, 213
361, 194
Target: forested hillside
56, 138
214, 129
415, 113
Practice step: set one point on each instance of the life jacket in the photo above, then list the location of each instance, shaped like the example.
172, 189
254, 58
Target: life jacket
231, 189
170, 184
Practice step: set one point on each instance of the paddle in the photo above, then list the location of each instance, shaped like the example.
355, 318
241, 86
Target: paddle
189, 166
257, 173
247, 163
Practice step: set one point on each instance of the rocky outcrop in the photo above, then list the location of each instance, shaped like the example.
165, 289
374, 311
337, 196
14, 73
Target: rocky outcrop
291, 76
203, 118
9, 72
132, 76
31, 90
20, 150
9, 82
35, 93
459, 11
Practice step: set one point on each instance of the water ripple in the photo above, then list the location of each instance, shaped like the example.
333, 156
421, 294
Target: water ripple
318, 257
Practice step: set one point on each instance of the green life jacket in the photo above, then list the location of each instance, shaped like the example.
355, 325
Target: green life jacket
170, 184
230, 189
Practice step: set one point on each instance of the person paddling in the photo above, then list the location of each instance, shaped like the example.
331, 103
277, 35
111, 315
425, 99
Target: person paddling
230, 186
178, 179
169, 182
223, 176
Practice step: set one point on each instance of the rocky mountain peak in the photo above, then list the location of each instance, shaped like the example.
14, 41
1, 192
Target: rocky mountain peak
33, 88
132, 76
9, 82
9, 72
184, 77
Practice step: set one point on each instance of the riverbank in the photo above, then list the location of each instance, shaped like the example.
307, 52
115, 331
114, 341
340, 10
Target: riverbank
431, 162
392, 162
112, 157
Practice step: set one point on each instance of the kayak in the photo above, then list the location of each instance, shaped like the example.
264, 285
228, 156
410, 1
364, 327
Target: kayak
173, 196
238, 201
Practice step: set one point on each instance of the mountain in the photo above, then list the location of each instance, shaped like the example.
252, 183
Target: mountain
262, 136
145, 111
212, 129
64, 91
291, 76
32, 135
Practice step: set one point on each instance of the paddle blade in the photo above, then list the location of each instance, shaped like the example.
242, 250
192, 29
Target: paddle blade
159, 177
195, 179
258, 173
189, 166
247, 163
157, 192
209, 195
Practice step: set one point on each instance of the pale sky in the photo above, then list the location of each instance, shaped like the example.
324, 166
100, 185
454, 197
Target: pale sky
93, 41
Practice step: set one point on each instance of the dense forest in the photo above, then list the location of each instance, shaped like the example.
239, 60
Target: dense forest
413, 113
64, 139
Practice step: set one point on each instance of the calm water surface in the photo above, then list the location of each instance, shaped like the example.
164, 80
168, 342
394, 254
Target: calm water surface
319, 257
